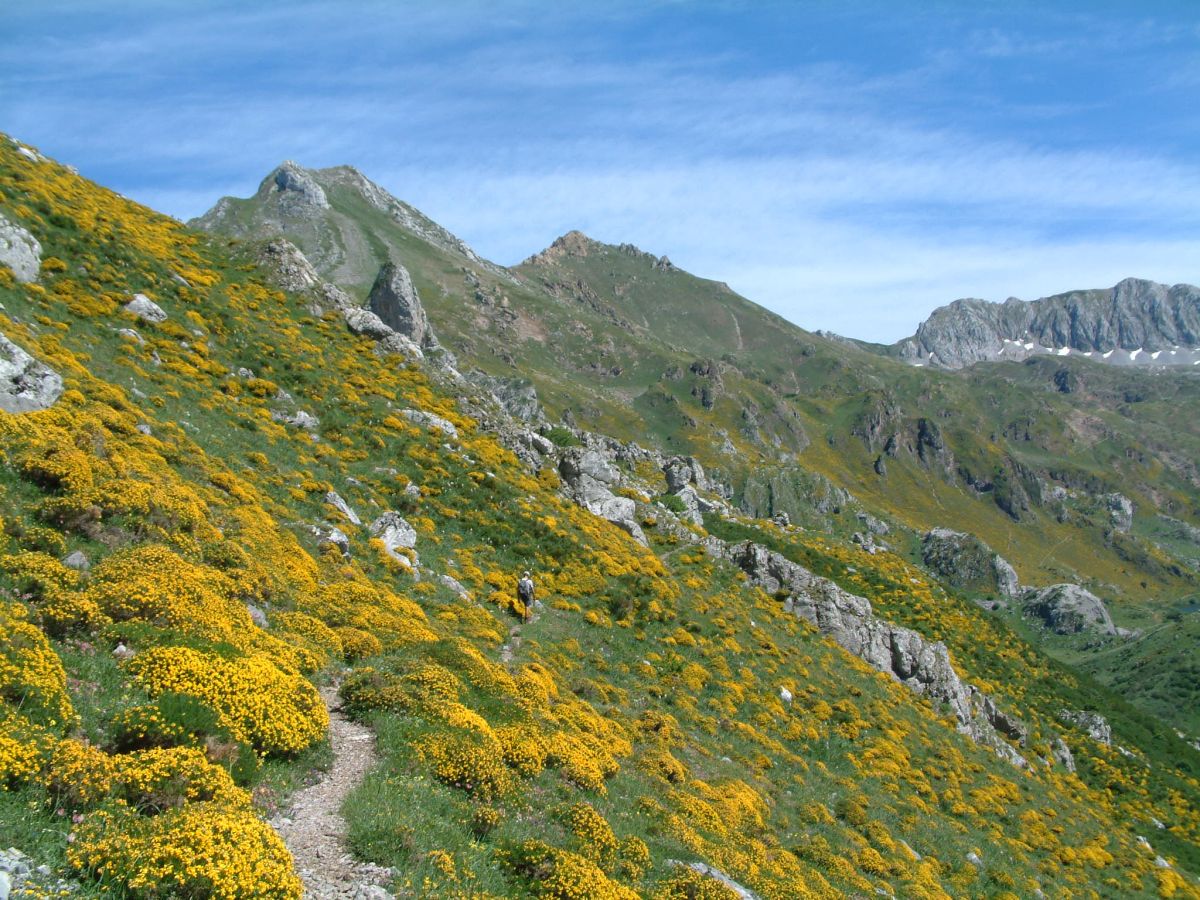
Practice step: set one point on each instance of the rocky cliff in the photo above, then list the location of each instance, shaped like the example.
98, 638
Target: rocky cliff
1137, 322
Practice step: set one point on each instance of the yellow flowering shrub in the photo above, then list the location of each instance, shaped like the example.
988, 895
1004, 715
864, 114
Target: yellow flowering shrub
142, 727
582, 759
688, 884
634, 859
395, 621
557, 874
357, 644
314, 634
258, 703
38, 574
152, 583
32, 678
159, 778
197, 850
524, 749
24, 749
595, 836
468, 760
79, 774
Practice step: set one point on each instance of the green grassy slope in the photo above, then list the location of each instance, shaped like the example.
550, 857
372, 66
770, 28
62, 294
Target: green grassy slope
622, 343
639, 720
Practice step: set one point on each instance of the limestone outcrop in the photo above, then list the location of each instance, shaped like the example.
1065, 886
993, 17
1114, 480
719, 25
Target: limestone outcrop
145, 309
589, 479
966, 562
1068, 609
394, 300
396, 534
1134, 323
1090, 723
919, 664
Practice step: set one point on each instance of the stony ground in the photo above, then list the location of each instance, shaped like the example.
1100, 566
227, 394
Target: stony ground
313, 827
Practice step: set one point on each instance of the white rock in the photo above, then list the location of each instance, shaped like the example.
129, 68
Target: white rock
334, 499
429, 420
26, 385
145, 309
19, 250
785, 695
334, 536
300, 419
396, 534
77, 561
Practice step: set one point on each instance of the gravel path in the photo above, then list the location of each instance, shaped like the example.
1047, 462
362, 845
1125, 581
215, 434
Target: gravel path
314, 829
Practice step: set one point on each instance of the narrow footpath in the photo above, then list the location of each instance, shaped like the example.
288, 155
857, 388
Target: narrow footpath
313, 828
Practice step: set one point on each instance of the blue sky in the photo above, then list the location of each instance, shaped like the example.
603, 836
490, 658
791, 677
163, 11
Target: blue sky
848, 165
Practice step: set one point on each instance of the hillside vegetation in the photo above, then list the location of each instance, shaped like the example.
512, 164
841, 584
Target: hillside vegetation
662, 711
1023, 455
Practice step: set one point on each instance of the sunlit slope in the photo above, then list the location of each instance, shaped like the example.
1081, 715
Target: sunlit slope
627, 344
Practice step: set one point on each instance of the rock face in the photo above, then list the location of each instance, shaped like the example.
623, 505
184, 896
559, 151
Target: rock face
298, 419
26, 385
684, 475
295, 202
1063, 755
1120, 511
920, 665
1136, 322
394, 299
298, 191
516, 396
966, 562
731, 886
589, 478
78, 561
291, 269
429, 420
19, 250
1068, 609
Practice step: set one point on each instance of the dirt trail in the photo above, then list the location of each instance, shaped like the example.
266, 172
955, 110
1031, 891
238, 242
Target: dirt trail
313, 827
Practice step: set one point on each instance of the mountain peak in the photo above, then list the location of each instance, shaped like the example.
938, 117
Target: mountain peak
297, 187
575, 244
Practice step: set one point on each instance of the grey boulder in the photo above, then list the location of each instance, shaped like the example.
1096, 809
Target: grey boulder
26, 385
396, 534
1068, 609
394, 299
19, 250
145, 309
334, 499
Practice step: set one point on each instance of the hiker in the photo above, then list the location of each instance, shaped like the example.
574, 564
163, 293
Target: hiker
525, 595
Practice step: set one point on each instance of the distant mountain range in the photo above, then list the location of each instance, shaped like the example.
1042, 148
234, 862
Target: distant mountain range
1137, 322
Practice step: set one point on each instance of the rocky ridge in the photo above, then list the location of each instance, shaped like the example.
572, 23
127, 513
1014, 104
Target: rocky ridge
292, 197
1136, 322
921, 665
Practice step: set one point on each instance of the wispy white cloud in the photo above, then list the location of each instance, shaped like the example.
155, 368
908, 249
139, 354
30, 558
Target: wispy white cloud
840, 190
